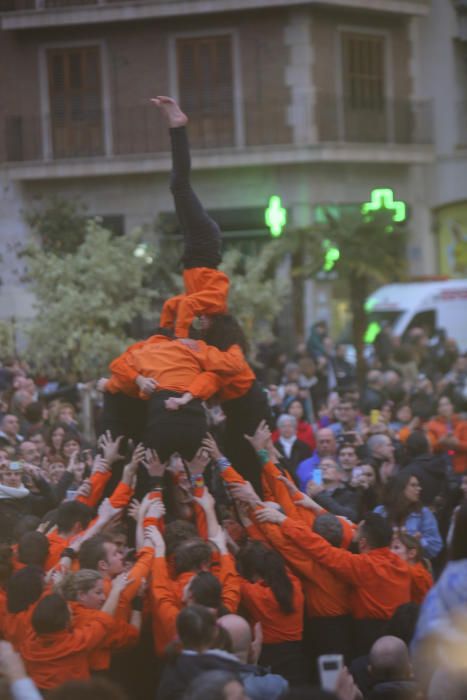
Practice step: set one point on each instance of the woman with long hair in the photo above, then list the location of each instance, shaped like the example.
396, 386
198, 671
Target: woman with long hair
273, 596
403, 508
408, 548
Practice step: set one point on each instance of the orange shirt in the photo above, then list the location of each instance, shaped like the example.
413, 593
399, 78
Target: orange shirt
206, 293
52, 659
421, 582
262, 606
174, 366
438, 428
119, 636
380, 579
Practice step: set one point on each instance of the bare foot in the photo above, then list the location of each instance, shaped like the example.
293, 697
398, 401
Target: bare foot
170, 110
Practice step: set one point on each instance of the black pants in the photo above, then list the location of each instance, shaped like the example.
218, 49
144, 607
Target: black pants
243, 416
286, 659
124, 415
202, 236
174, 431
326, 635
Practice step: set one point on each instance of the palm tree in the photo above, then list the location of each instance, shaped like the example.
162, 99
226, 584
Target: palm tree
363, 251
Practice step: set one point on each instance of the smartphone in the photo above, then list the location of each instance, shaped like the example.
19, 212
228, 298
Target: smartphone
317, 476
71, 494
356, 473
329, 667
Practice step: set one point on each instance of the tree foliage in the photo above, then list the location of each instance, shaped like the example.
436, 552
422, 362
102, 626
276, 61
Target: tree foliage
60, 224
256, 294
371, 252
85, 302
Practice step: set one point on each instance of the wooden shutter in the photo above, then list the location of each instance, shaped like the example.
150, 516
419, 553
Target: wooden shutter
75, 101
364, 86
205, 80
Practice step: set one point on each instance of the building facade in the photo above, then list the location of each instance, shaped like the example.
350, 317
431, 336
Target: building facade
317, 102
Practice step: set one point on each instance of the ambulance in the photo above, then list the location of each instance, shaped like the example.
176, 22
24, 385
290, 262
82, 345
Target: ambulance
438, 305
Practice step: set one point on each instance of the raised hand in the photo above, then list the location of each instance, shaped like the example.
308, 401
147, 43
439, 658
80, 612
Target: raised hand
152, 463
101, 384
199, 462
212, 447
269, 515
133, 509
246, 493
171, 111
206, 500
110, 448
259, 440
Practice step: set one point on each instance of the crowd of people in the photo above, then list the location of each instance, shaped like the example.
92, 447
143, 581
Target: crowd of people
228, 527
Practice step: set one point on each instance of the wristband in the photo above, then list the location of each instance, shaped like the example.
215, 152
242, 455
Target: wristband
263, 457
137, 603
223, 463
70, 553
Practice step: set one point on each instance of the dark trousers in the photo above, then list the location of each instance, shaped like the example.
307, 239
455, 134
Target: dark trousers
201, 234
285, 659
326, 635
174, 431
124, 415
243, 417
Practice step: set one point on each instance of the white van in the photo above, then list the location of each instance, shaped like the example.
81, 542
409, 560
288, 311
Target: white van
431, 305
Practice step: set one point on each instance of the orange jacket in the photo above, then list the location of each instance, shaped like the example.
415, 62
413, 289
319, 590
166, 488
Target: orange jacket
167, 596
174, 366
52, 659
206, 293
119, 636
439, 428
262, 606
380, 579
421, 582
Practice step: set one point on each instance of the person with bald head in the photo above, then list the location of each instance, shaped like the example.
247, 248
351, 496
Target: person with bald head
225, 646
390, 671
326, 446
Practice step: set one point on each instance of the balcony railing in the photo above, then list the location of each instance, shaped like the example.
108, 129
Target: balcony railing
139, 131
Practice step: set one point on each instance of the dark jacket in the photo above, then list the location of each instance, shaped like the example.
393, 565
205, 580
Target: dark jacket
300, 451
394, 690
341, 501
258, 683
431, 472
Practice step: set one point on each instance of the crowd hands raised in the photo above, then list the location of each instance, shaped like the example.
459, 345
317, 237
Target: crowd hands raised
223, 542
124, 576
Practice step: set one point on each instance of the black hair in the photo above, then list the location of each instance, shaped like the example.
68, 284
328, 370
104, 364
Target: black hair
417, 444
24, 588
51, 615
72, 512
28, 523
224, 332
395, 502
458, 544
330, 528
403, 622
255, 559
33, 412
196, 627
206, 589
92, 551
377, 530
33, 548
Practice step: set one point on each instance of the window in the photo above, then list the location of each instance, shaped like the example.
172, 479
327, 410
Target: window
364, 87
76, 119
205, 82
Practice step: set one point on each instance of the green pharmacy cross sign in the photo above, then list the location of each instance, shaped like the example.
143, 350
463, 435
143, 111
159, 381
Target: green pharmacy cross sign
384, 199
275, 216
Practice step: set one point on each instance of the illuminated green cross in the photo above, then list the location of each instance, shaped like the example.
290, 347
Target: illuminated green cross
331, 255
275, 216
384, 199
